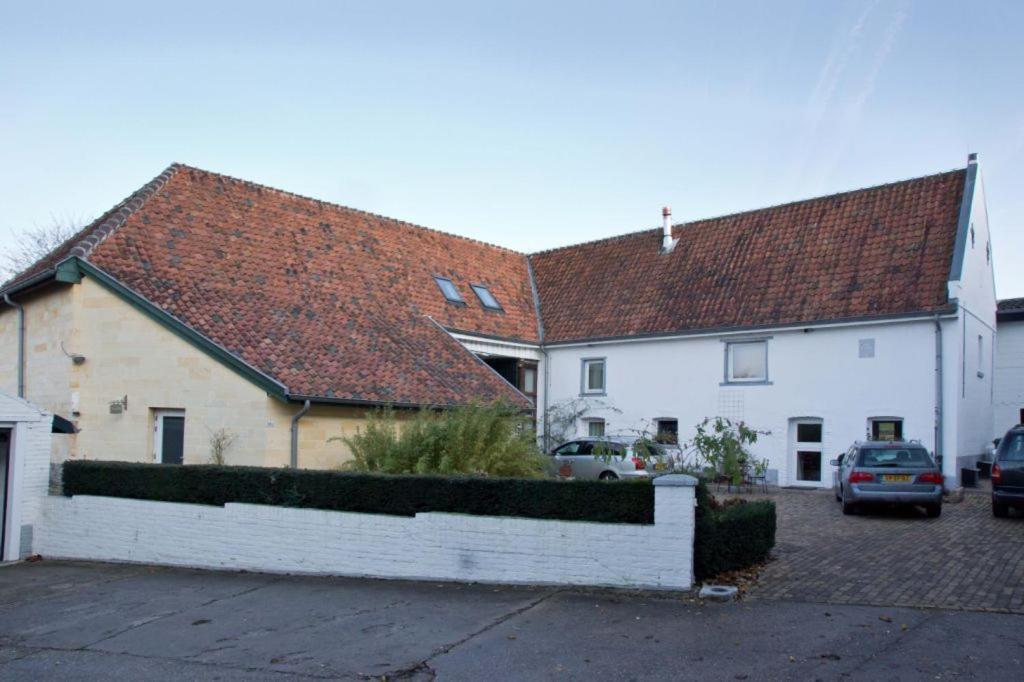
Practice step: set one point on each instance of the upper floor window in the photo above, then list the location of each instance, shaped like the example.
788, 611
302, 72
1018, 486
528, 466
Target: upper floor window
746, 361
486, 297
449, 289
593, 380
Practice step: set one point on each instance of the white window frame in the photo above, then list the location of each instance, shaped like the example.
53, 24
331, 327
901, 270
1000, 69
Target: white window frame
585, 388
729, 378
593, 421
158, 432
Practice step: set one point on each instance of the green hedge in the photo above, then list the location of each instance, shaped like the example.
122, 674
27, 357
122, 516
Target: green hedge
731, 537
373, 494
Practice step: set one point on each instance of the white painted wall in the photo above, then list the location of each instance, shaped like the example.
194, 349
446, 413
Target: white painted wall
434, 546
29, 471
975, 293
1009, 377
814, 374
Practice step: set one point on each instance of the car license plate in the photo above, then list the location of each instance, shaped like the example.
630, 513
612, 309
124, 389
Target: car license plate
658, 466
896, 478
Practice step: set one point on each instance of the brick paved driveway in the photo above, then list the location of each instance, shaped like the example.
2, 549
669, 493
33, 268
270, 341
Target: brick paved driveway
966, 559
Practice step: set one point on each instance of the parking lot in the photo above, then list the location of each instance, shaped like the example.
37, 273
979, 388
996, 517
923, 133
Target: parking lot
966, 559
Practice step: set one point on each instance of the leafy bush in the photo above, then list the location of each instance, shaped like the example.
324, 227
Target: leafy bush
368, 493
721, 445
728, 537
489, 440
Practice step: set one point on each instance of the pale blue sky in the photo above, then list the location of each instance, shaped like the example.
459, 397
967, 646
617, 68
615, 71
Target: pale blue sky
524, 124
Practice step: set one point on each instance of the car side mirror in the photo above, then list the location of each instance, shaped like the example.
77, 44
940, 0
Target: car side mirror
834, 462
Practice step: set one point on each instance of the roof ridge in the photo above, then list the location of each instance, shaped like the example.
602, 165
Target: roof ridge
334, 204
770, 207
84, 241
112, 220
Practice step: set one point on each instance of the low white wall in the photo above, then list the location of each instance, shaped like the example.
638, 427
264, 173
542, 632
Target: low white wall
434, 546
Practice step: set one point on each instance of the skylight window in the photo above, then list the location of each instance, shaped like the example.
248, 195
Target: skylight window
486, 297
449, 289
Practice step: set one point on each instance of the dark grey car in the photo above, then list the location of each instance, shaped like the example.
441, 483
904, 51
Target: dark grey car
888, 473
1008, 473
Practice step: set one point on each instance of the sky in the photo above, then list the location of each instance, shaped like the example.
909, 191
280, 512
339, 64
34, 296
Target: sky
529, 125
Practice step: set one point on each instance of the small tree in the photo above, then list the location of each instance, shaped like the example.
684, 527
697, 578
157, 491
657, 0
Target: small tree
486, 440
220, 441
721, 445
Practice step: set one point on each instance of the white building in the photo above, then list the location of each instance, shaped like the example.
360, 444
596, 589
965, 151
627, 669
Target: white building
868, 314
1009, 366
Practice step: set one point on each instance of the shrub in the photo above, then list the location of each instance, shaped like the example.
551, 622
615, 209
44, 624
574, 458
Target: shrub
489, 440
368, 493
731, 536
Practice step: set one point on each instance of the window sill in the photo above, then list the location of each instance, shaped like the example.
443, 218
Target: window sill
593, 395
746, 383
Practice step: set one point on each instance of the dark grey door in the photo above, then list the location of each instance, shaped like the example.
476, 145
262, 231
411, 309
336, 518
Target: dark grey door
5, 460
172, 446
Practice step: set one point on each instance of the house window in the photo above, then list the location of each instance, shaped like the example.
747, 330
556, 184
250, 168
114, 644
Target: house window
450, 291
593, 380
595, 428
486, 297
169, 436
528, 379
746, 362
886, 428
668, 431
808, 432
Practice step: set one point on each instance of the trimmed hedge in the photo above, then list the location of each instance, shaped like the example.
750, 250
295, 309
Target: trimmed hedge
731, 537
596, 501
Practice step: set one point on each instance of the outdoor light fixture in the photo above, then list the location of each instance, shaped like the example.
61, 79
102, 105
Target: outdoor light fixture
119, 406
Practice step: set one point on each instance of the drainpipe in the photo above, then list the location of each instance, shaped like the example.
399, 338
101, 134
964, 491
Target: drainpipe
21, 343
938, 391
547, 385
295, 434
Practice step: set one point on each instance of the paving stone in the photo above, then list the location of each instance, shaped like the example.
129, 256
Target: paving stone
966, 559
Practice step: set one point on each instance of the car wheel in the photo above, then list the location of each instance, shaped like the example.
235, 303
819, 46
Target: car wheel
934, 510
1000, 510
849, 508
608, 476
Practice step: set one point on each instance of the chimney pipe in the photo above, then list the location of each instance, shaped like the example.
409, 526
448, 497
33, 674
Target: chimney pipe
667, 243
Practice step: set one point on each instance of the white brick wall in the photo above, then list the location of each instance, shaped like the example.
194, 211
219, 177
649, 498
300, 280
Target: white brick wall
28, 474
434, 546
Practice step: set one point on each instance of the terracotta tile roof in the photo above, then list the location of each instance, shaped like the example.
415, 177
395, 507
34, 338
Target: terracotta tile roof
329, 301
336, 303
873, 252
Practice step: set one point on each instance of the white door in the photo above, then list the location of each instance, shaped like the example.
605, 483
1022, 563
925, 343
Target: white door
169, 436
807, 457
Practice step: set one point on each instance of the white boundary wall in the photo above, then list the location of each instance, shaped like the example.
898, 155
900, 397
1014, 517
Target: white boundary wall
433, 546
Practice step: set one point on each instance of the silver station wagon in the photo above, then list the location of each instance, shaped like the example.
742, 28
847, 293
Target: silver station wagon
888, 473
609, 458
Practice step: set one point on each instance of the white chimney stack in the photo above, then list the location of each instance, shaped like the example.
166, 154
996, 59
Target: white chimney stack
667, 243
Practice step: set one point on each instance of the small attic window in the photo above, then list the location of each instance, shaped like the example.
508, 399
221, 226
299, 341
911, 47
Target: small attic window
449, 289
486, 297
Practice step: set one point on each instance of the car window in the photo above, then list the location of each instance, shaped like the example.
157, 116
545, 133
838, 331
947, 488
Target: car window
568, 449
606, 448
894, 457
1011, 448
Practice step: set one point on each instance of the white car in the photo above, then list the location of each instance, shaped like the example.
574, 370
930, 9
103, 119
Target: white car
609, 458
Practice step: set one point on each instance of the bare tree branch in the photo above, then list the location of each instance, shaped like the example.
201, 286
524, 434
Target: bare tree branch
32, 245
